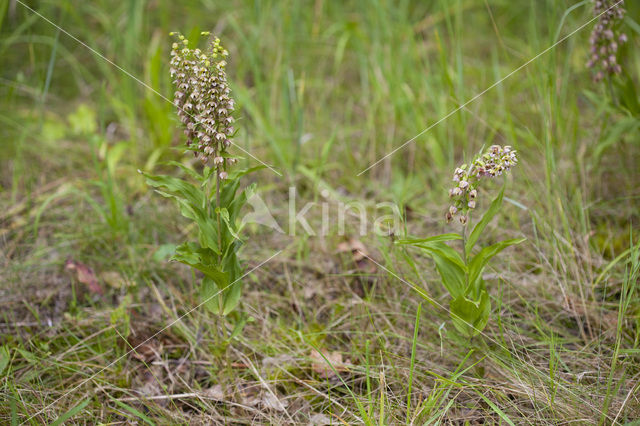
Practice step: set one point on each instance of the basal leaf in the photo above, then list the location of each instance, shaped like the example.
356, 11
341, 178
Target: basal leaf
468, 316
210, 295
232, 297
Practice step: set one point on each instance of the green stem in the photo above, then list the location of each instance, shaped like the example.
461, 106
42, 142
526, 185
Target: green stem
220, 298
464, 254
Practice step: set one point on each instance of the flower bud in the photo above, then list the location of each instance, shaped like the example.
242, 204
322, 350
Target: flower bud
448, 216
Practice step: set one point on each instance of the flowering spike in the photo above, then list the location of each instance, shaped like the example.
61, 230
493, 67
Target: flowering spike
604, 46
491, 163
202, 98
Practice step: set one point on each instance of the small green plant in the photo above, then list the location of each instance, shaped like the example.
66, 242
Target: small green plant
461, 273
211, 198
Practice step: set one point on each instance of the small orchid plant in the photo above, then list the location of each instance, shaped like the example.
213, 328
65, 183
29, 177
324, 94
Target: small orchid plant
210, 197
462, 273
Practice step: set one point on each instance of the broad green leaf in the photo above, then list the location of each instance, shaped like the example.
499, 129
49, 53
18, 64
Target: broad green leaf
446, 250
176, 187
211, 295
208, 234
224, 214
435, 239
190, 202
195, 175
468, 316
449, 266
484, 221
191, 255
232, 297
228, 192
480, 260
239, 201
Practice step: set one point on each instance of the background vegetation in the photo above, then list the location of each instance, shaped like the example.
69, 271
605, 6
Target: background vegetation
324, 89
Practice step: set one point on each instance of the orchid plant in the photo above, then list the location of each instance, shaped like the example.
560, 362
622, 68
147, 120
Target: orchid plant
211, 197
461, 271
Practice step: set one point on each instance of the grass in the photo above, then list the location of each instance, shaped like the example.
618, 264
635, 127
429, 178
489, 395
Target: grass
324, 90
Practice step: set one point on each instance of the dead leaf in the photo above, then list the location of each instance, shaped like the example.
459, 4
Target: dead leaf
359, 253
150, 382
278, 361
115, 279
85, 275
144, 349
272, 402
320, 366
215, 392
320, 419
248, 393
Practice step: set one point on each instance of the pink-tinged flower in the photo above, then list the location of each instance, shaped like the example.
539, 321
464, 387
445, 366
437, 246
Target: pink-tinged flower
493, 162
603, 61
203, 96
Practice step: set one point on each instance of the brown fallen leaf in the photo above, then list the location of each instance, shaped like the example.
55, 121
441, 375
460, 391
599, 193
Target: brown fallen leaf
271, 402
85, 275
215, 392
319, 419
145, 350
359, 254
320, 366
